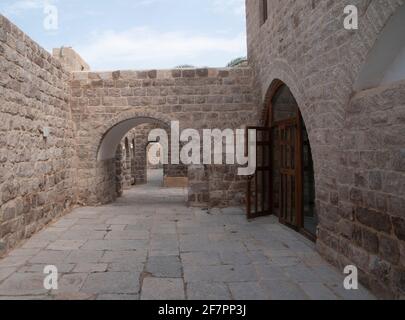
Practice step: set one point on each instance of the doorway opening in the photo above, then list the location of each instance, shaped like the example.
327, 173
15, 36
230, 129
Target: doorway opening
155, 168
139, 162
284, 183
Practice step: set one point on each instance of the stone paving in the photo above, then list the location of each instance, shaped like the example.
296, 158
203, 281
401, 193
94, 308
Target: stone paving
149, 245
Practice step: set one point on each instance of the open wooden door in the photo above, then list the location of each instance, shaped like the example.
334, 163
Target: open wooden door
290, 152
284, 184
259, 185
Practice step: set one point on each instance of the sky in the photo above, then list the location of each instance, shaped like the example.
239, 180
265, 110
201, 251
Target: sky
136, 34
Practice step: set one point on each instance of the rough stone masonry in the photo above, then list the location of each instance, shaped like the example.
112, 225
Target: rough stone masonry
356, 136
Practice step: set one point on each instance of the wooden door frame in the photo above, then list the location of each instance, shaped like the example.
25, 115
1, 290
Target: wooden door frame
276, 85
263, 168
269, 117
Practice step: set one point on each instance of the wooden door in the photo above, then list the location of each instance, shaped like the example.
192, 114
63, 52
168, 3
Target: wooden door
259, 185
290, 152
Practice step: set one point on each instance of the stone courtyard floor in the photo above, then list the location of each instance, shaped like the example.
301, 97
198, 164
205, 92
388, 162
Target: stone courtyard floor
149, 245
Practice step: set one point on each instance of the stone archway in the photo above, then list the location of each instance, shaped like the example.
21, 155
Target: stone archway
135, 166
111, 133
97, 163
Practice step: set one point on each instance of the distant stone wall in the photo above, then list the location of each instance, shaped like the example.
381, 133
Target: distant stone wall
357, 144
37, 139
197, 98
70, 59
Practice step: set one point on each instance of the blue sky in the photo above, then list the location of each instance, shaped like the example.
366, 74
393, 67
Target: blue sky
138, 34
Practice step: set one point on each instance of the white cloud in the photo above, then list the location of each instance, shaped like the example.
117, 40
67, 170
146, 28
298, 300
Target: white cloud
147, 48
143, 3
19, 6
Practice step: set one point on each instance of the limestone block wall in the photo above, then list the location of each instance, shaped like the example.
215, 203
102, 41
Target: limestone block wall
216, 186
197, 98
128, 160
198, 191
70, 59
356, 138
37, 140
119, 175
371, 185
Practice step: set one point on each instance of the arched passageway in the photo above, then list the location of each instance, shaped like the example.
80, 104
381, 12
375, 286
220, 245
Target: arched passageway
114, 135
138, 161
122, 159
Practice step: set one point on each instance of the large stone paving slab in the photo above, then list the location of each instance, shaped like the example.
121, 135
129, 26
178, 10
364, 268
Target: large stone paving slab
164, 267
23, 284
112, 283
162, 289
149, 245
208, 291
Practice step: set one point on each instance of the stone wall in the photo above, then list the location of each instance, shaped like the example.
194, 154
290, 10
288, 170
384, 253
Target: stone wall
371, 186
357, 143
128, 163
216, 186
197, 98
37, 146
70, 59
119, 171
53, 123
198, 191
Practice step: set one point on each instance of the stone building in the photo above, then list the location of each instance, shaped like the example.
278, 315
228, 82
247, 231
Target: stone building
328, 105
347, 93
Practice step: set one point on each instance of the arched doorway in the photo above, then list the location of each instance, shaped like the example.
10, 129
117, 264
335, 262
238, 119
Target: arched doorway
284, 183
122, 158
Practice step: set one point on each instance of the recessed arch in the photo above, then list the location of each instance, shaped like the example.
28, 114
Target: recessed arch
281, 73
292, 174
385, 62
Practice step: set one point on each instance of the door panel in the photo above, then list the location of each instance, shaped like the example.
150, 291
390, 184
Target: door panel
290, 190
259, 188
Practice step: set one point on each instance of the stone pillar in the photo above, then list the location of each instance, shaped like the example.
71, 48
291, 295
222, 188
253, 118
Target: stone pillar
119, 172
